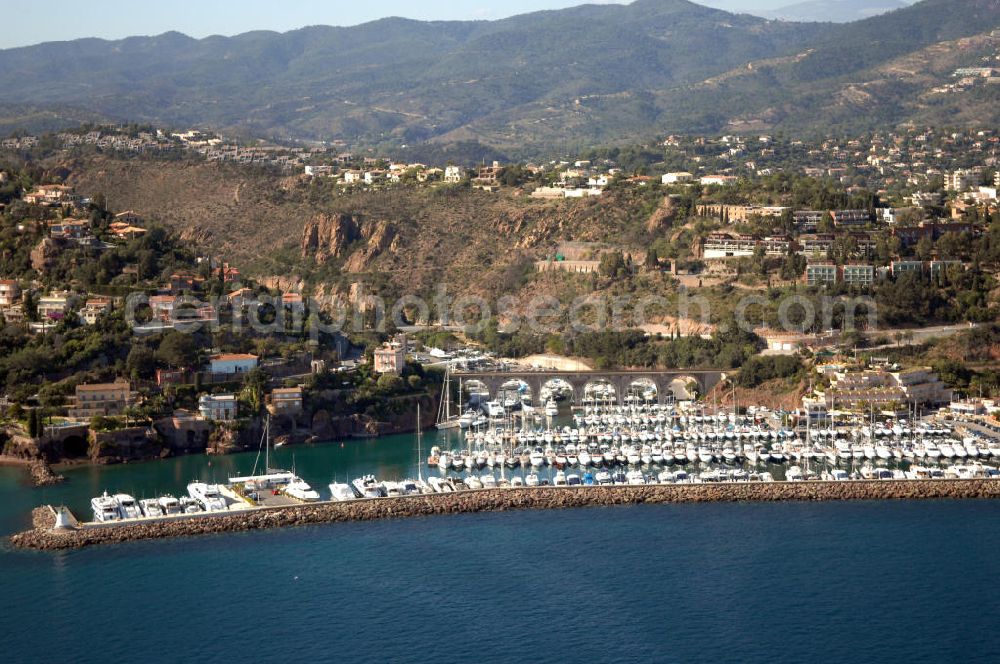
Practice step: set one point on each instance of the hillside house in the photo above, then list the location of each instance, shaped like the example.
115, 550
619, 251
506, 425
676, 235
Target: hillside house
821, 274
232, 363
162, 306
718, 180
218, 407
54, 306
241, 297
681, 177
390, 359
850, 218
70, 229
858, 274
285, 401
50, 195
124, 231
94, 308
10, 292
101, 399
293, 302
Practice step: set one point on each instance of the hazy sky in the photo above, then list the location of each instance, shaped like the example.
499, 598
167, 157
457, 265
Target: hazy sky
31, 21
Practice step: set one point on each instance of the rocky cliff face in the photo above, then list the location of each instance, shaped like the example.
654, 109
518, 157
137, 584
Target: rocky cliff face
329, 236
381, 237
124, 445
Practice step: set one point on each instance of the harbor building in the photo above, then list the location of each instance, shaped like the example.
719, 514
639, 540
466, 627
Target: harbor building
853, 389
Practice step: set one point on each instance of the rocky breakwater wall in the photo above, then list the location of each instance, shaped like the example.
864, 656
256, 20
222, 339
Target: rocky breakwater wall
43, 475
499, 500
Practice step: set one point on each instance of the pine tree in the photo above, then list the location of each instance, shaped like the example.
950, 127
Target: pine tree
33, 423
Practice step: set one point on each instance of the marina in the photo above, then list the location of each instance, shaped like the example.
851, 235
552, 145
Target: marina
600, 446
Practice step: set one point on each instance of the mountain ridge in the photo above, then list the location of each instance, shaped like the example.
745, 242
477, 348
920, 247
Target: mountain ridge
557, 78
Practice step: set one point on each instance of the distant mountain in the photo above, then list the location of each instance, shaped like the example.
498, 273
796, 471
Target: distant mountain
548, 80
406, 80
834, 11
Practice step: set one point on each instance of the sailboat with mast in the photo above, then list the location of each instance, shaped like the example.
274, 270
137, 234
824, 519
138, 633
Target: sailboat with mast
445, 419
270, 478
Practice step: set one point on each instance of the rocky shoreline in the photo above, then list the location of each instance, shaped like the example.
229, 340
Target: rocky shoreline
42, 537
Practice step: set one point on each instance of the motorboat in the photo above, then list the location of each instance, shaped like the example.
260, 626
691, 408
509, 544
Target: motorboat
170, 505
128, 506
190, 506
441, 484
105, 508
342, 492
150, 507
635, 477
208, 496
494, 409
299, 489
368, 487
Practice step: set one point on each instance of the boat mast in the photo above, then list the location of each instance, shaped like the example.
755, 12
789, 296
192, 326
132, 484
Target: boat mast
443, 405
420, 468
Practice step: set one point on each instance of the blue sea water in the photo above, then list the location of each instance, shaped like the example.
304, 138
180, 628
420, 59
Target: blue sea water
829, 582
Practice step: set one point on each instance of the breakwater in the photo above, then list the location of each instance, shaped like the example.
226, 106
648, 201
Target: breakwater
42, 537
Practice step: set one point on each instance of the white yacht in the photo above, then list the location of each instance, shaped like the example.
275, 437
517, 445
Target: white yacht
537, 458
105, 508
467, 419
128, 506
151, 507
208, 496
368, 487
189, 505
342, 492
494, 409
551, 408
441, 484
299, 489
169, 505
635, 477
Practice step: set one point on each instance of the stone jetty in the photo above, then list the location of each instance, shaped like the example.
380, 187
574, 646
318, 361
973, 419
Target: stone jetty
42, 536
42, 474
